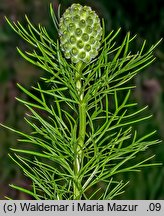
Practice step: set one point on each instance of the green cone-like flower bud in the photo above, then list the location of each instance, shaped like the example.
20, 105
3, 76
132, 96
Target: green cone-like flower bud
80, 33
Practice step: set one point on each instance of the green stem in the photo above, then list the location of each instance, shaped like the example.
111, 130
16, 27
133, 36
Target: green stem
81, 136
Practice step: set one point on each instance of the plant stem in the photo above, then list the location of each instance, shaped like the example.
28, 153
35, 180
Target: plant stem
81, 136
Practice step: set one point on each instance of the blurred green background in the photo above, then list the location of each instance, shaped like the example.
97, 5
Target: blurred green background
142, 17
